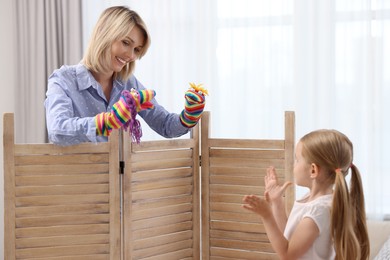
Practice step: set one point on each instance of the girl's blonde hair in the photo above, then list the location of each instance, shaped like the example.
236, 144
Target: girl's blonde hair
114, 23
332, 151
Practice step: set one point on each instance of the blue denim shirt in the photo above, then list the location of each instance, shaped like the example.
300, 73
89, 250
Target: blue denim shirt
74, 98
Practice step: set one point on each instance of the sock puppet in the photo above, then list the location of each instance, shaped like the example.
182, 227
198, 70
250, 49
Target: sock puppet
124, 112
194, 104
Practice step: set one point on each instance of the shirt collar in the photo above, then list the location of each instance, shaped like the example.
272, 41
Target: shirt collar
84, 78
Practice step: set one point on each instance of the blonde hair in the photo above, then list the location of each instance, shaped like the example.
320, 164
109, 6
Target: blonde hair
333, 152
114, 23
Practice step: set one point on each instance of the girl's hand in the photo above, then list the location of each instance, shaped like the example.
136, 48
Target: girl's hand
258, 205
272, 187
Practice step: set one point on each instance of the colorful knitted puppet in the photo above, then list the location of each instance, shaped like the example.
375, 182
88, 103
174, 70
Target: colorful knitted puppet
194, 105
124, 112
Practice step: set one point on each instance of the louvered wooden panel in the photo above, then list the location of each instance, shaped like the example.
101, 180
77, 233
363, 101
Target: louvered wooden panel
161, 199
232, 168
61, 202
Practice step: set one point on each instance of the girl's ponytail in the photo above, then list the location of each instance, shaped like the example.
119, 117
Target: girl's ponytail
358, 212
346, 244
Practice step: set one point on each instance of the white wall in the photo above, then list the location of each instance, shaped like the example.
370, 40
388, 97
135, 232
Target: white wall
7, 82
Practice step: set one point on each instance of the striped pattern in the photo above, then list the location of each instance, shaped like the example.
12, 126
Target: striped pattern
144, 99
193, 108
107, 121
121, 110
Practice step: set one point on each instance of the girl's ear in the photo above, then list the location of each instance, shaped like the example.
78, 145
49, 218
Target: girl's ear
314, 170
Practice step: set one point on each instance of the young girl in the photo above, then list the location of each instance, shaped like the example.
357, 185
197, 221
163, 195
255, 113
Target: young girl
330, 221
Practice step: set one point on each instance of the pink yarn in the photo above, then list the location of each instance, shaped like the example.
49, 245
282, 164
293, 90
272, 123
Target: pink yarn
133, 125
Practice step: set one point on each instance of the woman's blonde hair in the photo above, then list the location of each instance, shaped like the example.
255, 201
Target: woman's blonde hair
114, 23
332, 151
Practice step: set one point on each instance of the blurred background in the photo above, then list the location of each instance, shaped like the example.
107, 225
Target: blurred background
326, 60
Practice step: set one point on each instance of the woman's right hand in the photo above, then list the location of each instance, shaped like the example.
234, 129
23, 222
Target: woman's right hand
273, 189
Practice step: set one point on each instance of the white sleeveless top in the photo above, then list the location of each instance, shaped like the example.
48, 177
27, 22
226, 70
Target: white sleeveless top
319, 211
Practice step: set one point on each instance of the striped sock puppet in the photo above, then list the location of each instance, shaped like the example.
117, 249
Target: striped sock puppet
124, 112
194, 104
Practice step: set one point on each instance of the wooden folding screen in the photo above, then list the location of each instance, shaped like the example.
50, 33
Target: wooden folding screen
60, 202
72, 202
161, 199
232, 168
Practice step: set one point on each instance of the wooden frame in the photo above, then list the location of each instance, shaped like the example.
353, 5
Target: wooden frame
232, 168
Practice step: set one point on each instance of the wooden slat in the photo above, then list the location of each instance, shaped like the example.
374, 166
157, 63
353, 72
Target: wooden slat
59, 169
226, 207
246, 153
242, 171
163, 249
242, 245
62, 210
162, 193
243, 162
163, 145
161, 155
64, 230
245, 143
83, 257
160, 164
237, 180
23, 191
61, 159
161, 184
162, 202
227, 198
62, 241
234, 216
163, 230
162, 211
61, 220
241, 254
162, 220
237, 226
31, 149
160, 240
238, 235
51, 200
161, 174
61, 180
63, 251
184, 254
235, 189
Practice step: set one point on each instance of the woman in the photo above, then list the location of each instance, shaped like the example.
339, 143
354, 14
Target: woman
83, 100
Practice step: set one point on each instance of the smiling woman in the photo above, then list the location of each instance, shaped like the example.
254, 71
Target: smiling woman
84, 102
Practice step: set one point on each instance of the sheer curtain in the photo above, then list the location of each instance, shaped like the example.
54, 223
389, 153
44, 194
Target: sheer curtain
48, 35
326, 60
